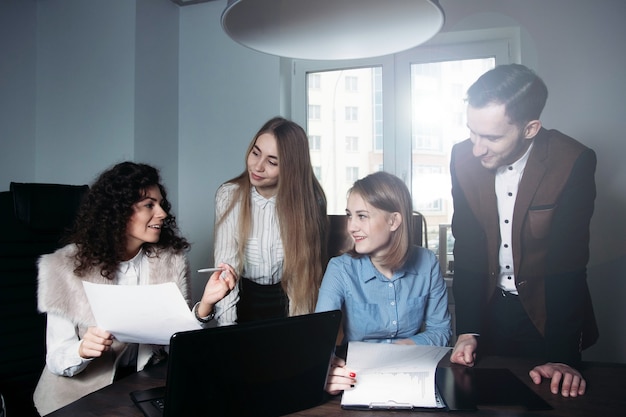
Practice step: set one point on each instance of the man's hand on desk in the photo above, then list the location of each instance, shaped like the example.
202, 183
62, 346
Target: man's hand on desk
573, 383
464, 352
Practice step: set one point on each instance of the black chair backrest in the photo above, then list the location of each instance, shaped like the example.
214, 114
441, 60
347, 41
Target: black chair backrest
33, 218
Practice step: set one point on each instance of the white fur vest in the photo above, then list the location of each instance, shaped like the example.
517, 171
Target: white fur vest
61, 292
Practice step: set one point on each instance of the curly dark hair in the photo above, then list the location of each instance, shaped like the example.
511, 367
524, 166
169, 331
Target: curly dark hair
99, 230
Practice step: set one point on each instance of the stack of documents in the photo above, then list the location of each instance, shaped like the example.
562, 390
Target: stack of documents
393, 376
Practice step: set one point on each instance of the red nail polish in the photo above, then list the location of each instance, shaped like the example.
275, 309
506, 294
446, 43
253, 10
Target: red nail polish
352, 374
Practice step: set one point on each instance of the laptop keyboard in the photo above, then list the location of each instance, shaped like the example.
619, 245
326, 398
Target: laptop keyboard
159, 403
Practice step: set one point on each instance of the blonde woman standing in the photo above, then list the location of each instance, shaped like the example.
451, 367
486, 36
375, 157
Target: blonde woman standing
271, 226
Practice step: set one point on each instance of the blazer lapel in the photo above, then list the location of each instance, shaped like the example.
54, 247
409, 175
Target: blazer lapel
534, 172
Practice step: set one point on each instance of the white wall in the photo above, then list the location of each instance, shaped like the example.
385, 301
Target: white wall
85, 88
93, 82
155, 67
227, 92
88, 83
18, 52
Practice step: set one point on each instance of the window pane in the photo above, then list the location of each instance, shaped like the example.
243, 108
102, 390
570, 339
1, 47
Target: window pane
345, 108
315, 142
438, 121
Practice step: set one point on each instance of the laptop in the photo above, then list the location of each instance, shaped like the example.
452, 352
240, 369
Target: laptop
264, 368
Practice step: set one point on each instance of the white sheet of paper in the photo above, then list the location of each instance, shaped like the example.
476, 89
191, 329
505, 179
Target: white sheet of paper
148, 314
390, 375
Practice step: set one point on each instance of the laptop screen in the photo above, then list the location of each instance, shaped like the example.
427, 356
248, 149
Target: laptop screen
264, 368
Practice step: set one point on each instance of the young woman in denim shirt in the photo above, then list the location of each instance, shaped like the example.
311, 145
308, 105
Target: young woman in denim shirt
389, 290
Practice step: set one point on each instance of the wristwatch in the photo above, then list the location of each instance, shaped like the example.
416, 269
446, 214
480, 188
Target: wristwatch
203, 319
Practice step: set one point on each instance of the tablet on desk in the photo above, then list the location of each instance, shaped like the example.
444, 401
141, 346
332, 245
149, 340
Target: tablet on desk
463, 388
500, 387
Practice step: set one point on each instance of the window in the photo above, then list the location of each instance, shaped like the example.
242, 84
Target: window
315, 112
437, 99
317, 171
401, 113
315, 142
315, 82
339, 115
428, 180
426, 136
352, 83
352, 144
352, 114
377, 110
352, 174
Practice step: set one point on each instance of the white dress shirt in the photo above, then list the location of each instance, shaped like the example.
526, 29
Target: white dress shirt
62, 342
508, 178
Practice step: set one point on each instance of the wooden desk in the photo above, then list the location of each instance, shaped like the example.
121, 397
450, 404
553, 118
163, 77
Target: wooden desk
605, 396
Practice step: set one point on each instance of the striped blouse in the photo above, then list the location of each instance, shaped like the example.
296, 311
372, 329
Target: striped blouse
263, 253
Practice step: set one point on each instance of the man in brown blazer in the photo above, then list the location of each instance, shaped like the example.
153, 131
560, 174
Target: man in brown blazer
523, 200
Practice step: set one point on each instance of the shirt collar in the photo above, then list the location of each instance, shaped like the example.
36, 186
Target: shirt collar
135, 262
517, 166
369, 271
261, 201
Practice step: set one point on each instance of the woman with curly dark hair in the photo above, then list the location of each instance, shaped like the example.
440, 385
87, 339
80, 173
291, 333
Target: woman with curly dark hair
124, 234
110, 202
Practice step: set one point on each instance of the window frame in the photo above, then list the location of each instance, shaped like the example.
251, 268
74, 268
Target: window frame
501, 43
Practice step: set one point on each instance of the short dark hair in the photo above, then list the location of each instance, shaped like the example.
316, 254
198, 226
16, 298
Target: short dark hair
521, 91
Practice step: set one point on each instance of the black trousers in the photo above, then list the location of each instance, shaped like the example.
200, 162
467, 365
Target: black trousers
510, 332
260, 302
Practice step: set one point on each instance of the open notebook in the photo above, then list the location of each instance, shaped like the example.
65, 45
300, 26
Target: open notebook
264, 368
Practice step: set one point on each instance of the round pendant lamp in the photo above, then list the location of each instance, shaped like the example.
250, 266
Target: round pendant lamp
332, 29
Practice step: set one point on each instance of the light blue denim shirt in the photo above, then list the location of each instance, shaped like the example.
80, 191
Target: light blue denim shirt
412, 304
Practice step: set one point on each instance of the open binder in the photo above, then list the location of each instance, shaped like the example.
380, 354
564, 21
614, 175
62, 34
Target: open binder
394, 377
407, 377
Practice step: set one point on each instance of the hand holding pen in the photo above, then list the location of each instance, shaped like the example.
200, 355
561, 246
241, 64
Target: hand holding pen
223, 279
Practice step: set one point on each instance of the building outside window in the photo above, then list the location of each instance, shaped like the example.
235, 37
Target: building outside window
352, 144
352, 174
315, 112
315, 142
352, 114
401, 113
315, 82
317, 171
352, 83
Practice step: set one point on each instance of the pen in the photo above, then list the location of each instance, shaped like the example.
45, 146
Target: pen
209, 270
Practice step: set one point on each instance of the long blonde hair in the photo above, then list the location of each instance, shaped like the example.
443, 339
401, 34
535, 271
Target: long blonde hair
301, 210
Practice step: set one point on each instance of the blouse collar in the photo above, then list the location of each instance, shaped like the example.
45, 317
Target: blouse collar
261, 201
134, 262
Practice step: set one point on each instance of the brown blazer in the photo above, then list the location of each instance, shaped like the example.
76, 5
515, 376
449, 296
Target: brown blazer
551, 220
